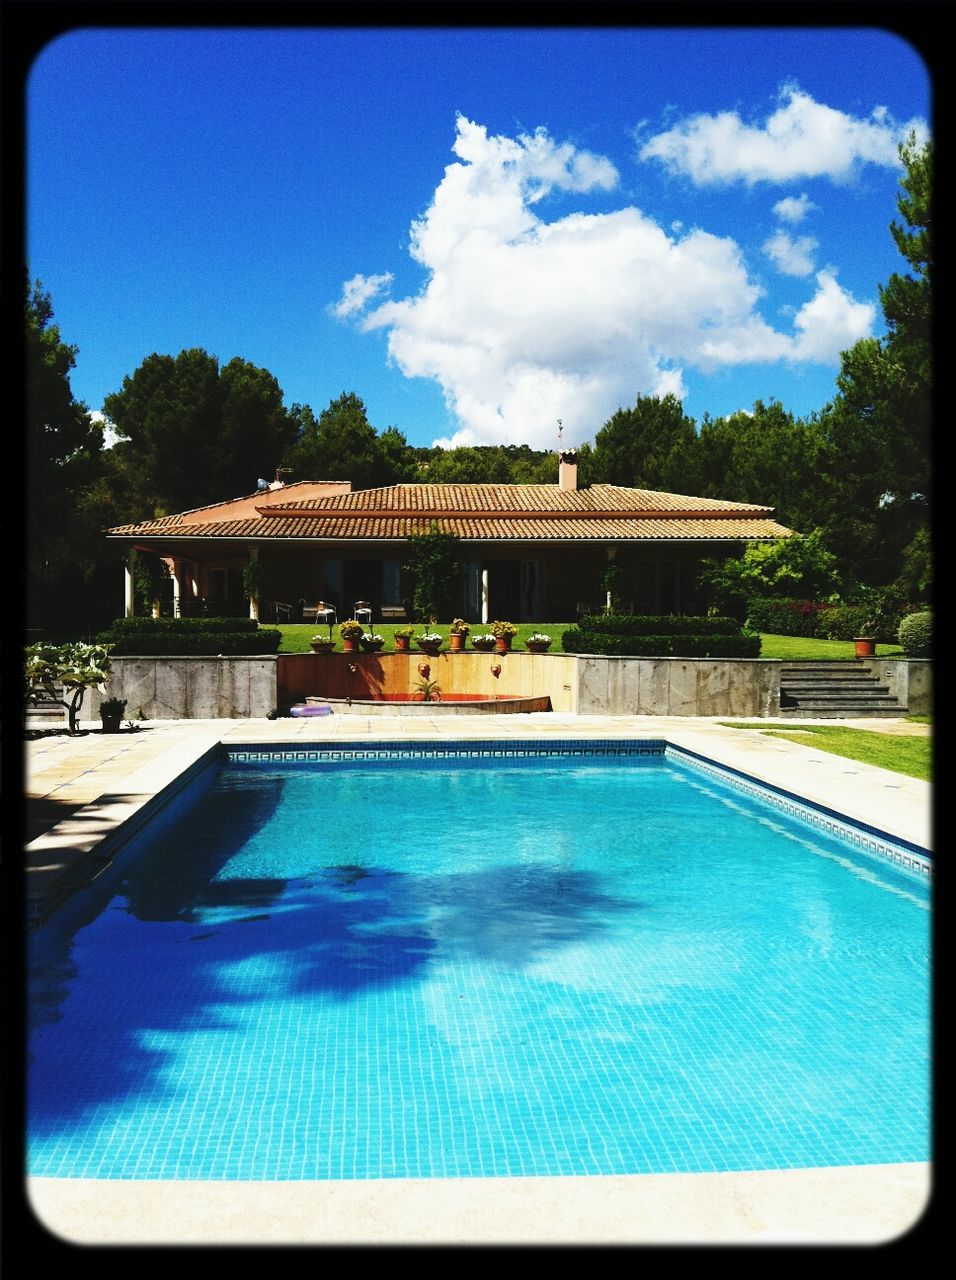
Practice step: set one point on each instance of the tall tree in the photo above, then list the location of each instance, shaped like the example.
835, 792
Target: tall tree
64, 445
875, 474
652, 446
341, 444
766, 456
191, 433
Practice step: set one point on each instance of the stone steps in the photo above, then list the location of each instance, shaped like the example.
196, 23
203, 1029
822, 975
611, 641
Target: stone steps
834, 690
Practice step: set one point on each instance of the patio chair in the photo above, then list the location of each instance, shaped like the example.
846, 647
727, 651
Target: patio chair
363, 611
321, 611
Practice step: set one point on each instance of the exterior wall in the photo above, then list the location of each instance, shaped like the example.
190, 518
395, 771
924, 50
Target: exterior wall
191, 688
732, 687
250, 687
367, 675
910, 681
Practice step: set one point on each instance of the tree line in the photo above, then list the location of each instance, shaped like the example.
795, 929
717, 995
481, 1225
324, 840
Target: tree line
192, 431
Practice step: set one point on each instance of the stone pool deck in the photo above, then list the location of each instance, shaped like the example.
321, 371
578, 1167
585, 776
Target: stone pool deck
80, 790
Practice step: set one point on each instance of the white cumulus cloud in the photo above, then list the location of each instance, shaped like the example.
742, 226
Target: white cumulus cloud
801, 139
830, 322
521, 321
792, 257
793, 209
358, 292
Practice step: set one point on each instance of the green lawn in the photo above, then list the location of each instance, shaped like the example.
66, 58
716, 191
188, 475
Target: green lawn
796, 649
296, 635
912, 756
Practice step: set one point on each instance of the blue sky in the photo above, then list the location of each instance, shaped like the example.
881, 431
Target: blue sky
477, 231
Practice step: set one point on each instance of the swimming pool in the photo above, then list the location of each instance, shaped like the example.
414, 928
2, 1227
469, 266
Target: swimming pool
484, 961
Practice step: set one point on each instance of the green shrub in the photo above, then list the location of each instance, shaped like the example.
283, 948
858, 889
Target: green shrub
846, 622
124, 626
623, 624
193, 643
780, 616
916, 634
742, 645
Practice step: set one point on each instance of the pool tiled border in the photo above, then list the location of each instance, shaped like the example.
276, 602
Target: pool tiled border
867, 839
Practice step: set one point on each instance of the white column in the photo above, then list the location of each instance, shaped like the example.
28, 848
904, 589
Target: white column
176, 569
484, 595
129, 570
254, 599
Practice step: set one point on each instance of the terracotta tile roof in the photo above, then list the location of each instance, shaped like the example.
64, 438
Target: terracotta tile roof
488, 512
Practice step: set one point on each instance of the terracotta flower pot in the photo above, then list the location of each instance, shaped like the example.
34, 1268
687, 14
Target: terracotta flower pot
457, 641
349, 645
503, 644
402, 644
865, 646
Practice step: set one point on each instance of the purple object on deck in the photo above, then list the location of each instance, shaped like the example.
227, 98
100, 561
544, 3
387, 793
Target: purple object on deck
310, 709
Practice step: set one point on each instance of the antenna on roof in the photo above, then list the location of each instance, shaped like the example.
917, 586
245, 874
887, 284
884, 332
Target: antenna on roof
560, 432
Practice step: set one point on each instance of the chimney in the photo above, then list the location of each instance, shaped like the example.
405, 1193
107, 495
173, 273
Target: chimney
568, 469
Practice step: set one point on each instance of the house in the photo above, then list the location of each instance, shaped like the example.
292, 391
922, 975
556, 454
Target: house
529, 552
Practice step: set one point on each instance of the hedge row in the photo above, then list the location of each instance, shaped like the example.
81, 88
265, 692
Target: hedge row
172, 644
742, 645
779, 616
151, 626
626, 624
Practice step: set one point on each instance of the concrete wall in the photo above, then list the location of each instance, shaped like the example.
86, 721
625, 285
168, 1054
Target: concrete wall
574, 682
910, 681
190, 688
735, 687
230, 688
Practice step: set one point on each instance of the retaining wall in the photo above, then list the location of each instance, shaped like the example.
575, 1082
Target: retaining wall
910, 681
190, 688
251, 687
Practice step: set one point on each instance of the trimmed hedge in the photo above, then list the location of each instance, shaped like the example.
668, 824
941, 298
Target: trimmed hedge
624, 636
916, 635
739, 646
627, 624
198, 643
150, 626
780, 616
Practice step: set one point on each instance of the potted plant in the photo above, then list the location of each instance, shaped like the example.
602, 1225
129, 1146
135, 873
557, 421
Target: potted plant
457, 634
351, 633
538, 643
372, 643
111, 713
429, 689
403, 638
430, 642
483, 643
322, 644
864, 644
504, 633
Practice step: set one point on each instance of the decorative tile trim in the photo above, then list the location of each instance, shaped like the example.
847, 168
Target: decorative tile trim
866, 839
492, 749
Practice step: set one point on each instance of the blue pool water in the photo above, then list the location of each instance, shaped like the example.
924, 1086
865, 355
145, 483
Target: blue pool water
426, 967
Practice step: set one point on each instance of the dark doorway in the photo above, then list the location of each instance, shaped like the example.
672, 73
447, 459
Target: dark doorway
504, 590
362, 580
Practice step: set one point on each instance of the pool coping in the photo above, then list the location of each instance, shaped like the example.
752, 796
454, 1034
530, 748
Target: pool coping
859, 1205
